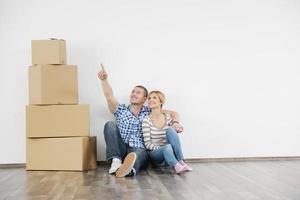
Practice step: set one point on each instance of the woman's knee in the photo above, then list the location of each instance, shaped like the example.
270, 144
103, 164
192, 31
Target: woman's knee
171, 132
167, 148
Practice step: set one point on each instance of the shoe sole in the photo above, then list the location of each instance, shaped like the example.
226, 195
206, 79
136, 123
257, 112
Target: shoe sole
112, 173
127, 165
187, 169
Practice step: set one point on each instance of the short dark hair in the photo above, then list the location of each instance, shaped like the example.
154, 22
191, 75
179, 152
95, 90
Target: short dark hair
145, 90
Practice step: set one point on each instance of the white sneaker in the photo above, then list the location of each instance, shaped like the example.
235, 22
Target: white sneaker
115, 165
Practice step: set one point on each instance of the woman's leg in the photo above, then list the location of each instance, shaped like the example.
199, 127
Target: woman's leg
173, 140
164, 153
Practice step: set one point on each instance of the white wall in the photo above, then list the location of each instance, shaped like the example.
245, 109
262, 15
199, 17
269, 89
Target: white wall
230, 68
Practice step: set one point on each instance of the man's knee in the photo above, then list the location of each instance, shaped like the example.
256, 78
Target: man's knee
110, 127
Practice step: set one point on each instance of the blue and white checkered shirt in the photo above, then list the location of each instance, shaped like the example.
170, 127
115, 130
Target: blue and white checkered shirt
130, 126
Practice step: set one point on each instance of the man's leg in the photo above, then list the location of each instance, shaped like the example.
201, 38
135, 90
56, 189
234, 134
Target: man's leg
133, 162
115, 147
141, 160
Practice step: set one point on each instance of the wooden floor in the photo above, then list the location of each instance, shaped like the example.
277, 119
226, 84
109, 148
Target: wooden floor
224, 180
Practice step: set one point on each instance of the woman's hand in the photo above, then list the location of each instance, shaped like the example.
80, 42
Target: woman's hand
102, 75
178, 127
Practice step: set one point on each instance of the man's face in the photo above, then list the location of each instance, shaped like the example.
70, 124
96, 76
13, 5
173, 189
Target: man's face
137, 96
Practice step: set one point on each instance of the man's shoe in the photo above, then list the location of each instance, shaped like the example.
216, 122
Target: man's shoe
115, 165
132, 173
127, 165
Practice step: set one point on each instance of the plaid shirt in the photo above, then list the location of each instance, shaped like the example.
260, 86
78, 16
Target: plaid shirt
130, 126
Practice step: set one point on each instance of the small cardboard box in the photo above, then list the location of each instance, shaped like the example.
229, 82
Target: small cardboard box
57, 121
53, 84
73, 153
51, 51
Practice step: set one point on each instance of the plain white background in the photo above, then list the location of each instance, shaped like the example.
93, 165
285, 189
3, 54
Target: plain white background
230, 68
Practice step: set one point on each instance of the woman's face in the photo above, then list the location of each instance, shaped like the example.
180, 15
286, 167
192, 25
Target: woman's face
153, 101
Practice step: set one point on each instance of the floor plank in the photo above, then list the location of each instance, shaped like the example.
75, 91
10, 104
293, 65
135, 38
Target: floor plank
249, 180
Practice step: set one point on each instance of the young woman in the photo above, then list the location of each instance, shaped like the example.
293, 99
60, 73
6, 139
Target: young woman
160, 139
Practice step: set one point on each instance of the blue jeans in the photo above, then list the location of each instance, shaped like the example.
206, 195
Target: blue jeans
170, 153
116, 148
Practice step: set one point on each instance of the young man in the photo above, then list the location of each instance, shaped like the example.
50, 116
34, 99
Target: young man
124, 142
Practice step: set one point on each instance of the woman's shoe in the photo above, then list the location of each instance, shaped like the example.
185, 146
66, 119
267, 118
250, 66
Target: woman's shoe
188, 168
179, 168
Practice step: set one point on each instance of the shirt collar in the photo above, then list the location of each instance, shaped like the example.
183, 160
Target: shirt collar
143, 109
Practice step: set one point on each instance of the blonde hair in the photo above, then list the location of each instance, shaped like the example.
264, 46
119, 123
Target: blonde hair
160, 95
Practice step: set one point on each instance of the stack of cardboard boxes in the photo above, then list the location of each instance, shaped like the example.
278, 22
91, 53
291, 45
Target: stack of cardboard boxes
57, 126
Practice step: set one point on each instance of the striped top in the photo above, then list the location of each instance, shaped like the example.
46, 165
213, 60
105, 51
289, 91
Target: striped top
155, 137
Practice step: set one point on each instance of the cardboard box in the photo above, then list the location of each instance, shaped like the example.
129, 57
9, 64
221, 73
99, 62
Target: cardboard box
57, 121
51, 51
53, 84
74, 153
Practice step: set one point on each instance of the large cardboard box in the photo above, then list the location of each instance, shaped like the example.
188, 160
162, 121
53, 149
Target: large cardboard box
53, 84
57, 120
51, 51
74, 153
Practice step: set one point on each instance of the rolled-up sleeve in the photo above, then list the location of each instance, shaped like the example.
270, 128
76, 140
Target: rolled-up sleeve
120, 109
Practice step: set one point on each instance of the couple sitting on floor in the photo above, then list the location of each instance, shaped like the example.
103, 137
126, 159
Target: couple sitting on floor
141, 132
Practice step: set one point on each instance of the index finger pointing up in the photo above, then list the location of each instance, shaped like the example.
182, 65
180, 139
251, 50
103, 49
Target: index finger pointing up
102, 67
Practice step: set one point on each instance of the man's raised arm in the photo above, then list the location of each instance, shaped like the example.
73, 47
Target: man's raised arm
107, 91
